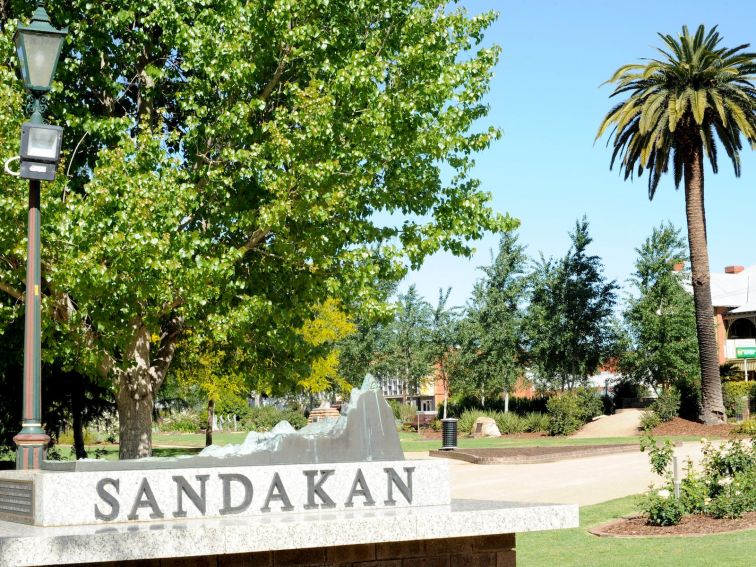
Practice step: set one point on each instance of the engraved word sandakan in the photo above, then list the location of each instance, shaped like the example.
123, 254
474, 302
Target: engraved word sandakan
235, 493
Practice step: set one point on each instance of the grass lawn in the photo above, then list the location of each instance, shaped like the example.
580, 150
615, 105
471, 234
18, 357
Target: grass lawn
173, 444
415, 442
578, 548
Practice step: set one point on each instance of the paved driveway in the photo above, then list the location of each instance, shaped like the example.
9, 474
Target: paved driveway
576, 481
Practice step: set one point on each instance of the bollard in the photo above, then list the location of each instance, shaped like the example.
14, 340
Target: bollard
676, 475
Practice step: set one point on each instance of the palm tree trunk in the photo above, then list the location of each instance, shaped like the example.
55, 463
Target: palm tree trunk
712, 408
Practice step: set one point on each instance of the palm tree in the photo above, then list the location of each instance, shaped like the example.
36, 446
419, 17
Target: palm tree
674, 108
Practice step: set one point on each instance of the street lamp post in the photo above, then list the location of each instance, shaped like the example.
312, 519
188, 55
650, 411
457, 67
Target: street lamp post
38, 46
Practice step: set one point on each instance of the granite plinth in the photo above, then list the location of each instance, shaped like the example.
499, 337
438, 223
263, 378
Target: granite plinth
107, 497
31, 545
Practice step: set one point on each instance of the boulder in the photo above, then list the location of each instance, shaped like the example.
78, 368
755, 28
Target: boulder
485, 427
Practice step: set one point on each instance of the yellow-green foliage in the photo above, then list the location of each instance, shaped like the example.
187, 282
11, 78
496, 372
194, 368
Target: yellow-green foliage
205, 368
329, 326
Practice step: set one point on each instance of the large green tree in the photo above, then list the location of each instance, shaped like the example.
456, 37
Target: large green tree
676, 108
661, 317
570, 327
493, 344
224, 163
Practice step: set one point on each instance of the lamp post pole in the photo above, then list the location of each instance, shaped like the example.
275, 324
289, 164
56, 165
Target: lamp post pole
38, 46
32, 441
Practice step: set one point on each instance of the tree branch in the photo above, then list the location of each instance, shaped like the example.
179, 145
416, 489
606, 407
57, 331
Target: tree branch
257, 238
11, 291
268, 90
162, 361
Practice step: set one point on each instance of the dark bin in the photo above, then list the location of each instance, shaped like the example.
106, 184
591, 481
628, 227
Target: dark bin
449, 434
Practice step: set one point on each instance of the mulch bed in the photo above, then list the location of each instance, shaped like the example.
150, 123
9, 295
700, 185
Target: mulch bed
679, 426
529, 455
688, 526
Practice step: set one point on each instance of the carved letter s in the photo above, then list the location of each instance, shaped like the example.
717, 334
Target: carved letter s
108, 498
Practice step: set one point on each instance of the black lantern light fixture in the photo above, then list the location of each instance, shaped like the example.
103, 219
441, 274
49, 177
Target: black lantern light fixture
38, 46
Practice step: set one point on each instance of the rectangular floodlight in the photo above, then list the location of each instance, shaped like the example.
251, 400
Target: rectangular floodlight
41, 142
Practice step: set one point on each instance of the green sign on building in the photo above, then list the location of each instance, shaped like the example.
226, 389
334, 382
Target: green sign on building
745, 352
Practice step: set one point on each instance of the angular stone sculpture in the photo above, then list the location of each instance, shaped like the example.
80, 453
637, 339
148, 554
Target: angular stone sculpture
365, 431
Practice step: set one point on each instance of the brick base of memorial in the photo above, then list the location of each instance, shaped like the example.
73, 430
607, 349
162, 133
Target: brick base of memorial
466, 532
481, 551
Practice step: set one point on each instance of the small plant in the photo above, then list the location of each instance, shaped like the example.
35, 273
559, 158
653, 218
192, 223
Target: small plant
662, 508
694, 492
649, 421
536, 422
667, 405
660, 456
509, 423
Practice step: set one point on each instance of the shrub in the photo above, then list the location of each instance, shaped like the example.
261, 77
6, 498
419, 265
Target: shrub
724, 488
662, 508
733, 394
649, 420
536, 422
184, 422
509, 423
667, 405
565, 414
67, 437
735, 498
396, 408
265, 418
694, 493
295, 418
408, 413
589, 403
436, 424
748, 427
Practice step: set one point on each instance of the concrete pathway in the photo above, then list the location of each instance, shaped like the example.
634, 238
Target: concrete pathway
579, 481
624, 423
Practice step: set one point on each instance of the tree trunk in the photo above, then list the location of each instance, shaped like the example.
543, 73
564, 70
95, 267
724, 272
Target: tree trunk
134, 418
209, 428
712, 407
77, 409
506, 401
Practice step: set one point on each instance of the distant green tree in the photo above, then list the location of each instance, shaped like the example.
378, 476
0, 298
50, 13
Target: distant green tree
493, 346
570, 327
661, 318
405, 344
443, 346
675, 107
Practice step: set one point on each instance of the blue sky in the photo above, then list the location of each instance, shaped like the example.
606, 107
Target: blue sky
547, 172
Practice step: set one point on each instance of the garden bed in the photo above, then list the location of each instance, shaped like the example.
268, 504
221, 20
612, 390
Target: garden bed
680, 426
694, 524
